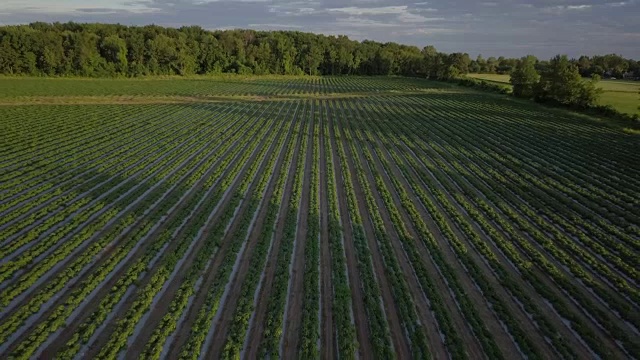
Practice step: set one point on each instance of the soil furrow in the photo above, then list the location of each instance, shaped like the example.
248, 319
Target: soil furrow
293, 312
227, 310
172, 286
400, 342
327, 334
255, 331
360, 315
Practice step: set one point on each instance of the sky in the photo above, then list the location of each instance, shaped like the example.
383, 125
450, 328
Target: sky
510, 28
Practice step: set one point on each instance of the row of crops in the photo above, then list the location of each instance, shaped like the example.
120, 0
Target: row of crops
229, 86
397, 225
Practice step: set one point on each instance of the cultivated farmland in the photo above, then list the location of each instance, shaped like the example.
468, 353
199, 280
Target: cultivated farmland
311, 218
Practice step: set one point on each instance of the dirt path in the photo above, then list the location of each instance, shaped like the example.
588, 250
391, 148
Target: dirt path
400, 343
256, 329
293, 314
185, 99
359, 313
327, 346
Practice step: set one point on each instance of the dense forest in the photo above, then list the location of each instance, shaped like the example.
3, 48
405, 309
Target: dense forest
103, 50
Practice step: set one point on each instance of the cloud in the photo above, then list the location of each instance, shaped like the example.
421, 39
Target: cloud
359, 22
415, 18
274, 26
74, 6
352, 10
621, 3
578, 7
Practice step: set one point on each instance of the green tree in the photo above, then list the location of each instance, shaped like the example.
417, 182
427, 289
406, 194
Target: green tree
114, 50
524, 77
561, 82
589, 93
8, 58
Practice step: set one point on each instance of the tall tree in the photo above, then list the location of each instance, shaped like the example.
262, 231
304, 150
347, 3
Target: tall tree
561, 82
114, 50
524, 77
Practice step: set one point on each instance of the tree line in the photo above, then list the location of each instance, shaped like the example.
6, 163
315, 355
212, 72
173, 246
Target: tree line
103, 50
606, 66
559, 82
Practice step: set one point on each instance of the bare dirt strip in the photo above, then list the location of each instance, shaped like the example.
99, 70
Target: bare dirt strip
359, 313
104, 337
103, 289
256, 329
293, 318
184, 99
228, 310
327, 333
400, 343
69, 330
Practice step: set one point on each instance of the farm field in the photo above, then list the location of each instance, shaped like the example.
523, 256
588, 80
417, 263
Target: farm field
335, 217
621, 94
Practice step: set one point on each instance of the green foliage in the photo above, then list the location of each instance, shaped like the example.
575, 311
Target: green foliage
114, 50
103, 50
561, 83
524, 77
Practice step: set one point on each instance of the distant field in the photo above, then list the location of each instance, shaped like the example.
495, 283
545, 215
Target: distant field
622, 95
308, 218
493, 78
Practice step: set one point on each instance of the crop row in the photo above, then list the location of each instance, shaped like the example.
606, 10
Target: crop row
273, 323
378, 328
341, 296
112, 193
310, 331
165, 270
445, 180
193, 209
93, 281
400, 290
246, 303
169, 321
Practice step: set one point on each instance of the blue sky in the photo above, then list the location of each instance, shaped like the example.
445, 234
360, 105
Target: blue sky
493, 27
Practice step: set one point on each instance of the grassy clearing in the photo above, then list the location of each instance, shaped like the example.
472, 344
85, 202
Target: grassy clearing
622, 95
